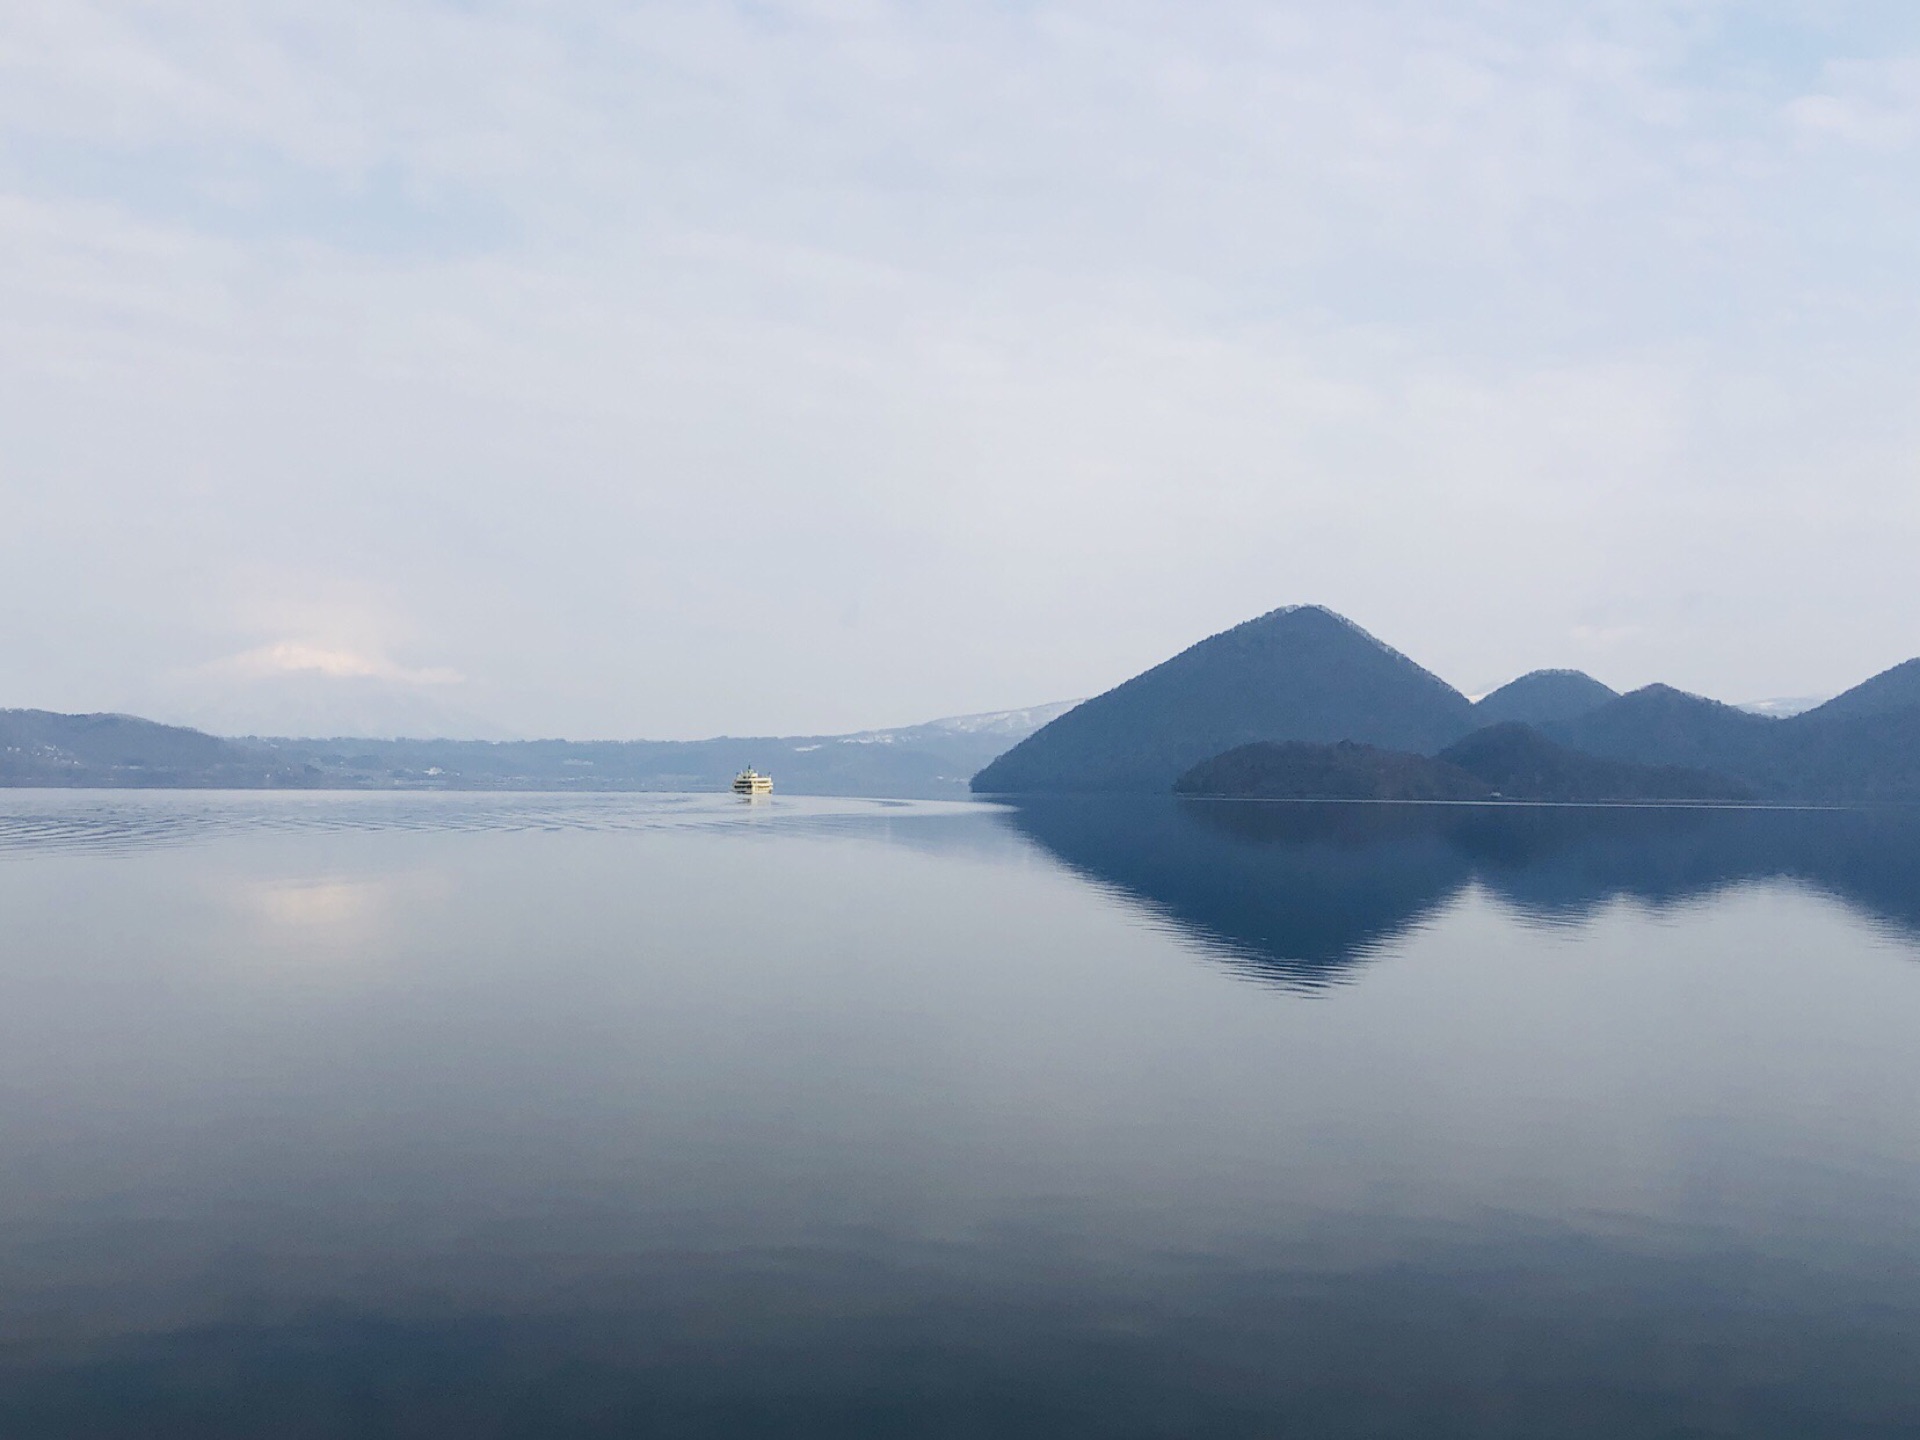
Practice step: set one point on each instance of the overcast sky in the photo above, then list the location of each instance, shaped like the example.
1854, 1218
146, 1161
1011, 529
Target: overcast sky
673, 369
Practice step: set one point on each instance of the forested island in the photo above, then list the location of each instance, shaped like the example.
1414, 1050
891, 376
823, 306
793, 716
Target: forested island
1302, 703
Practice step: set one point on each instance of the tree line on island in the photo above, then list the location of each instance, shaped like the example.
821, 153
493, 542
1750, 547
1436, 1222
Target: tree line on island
1303, 704
1508, 761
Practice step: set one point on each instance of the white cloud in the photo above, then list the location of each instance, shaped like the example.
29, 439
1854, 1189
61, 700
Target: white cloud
295, 657
1873, 104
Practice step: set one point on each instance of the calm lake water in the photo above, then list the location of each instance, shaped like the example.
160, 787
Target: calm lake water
488, 1116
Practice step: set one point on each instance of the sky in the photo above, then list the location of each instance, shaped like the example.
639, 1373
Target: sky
667, 370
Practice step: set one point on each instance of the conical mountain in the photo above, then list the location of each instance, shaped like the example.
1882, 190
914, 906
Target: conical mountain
1299, 673
1890, 690
1542, 696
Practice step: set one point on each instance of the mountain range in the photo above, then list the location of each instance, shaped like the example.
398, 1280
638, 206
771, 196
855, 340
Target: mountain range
1301, 678
1304, 675
931, 760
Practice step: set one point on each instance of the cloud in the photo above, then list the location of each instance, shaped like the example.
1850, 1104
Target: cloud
295, 657
1871, 104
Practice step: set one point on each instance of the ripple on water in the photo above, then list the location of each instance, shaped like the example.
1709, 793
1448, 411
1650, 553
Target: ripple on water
40, 822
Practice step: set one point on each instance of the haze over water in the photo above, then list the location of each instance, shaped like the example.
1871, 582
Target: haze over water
489, 1115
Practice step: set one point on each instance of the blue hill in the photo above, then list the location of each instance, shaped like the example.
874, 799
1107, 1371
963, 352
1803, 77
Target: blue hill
1300, 673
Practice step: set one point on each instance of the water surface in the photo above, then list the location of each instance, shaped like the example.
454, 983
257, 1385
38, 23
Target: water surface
637, 1115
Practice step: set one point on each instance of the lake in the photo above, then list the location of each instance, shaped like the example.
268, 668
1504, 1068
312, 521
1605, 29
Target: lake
510, 1115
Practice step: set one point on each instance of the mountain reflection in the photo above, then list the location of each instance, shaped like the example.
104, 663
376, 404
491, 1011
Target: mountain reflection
1299, 894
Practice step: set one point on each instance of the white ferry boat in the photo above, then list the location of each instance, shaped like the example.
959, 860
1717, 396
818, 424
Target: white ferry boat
751, 782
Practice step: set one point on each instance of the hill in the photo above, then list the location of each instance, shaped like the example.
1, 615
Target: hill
1867, 758
1542, 696
1659, 725
1866, 750
1520, 763
1889, 691
1300, 770
1300, 673
41, 748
